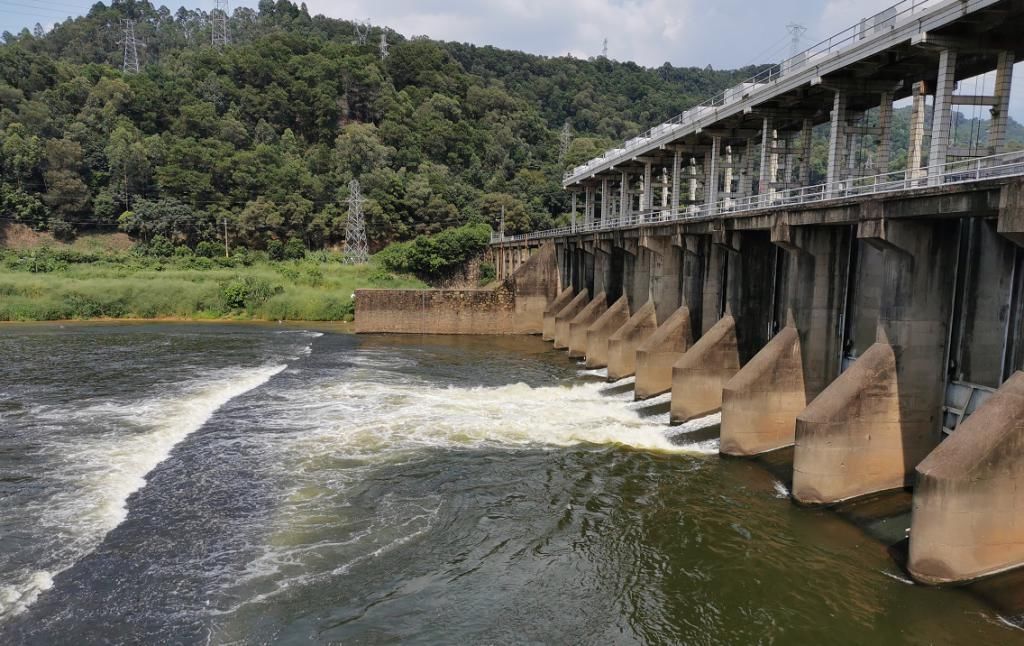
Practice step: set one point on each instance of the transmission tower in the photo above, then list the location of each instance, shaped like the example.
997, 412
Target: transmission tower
219, 17
565, 140
604, 48
356, 251
796, 34
384, 44
362, 32
131, 46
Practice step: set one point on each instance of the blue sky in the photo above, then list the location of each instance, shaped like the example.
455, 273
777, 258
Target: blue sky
722, 33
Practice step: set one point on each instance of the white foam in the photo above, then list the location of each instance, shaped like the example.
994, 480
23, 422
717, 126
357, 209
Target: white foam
780, 490
99, 474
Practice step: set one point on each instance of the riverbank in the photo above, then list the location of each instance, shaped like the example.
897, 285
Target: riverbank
48, 285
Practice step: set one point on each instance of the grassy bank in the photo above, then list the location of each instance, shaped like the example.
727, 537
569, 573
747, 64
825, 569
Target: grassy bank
46, 285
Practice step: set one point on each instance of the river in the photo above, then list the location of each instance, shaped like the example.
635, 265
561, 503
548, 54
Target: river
241, 484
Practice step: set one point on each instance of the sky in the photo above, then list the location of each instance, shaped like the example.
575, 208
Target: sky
721, 33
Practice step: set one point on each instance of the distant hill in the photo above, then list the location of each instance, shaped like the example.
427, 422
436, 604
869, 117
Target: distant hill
265, 134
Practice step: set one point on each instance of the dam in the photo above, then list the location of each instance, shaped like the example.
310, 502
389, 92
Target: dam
871, 321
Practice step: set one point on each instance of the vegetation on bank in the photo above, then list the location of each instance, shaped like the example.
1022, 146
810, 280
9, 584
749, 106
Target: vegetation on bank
44, 284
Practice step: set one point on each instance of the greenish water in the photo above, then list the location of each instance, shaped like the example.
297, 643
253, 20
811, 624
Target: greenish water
253, 484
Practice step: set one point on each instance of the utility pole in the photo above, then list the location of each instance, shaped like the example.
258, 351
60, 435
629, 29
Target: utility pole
796, 34
227, 253
131, 51
565, 140
501, 224
384, 44
356, 251
219, 18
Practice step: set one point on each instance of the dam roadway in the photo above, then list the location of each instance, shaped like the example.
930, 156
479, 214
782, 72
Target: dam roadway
871, 320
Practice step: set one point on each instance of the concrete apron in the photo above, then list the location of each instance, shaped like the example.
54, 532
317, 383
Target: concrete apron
656, 355
552, 310
578, 326
565, 317
969, 497
623, 344
699, 376
603, 328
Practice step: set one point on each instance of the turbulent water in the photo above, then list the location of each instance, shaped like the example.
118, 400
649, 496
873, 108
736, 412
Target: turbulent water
250, 484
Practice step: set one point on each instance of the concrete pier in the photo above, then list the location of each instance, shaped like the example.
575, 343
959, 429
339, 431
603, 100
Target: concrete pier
700, 375
579, 325
656, 355
969, 496
625, 342
601, 331
551, 311
565, 317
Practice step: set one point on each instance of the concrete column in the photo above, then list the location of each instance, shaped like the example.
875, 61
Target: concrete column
869, 428
664, 188
727, 179
711, 188
588, 208
624, 198
969, 496
606, 200
677, 176
600, 332
699, 376
573, 219
837, 141
885, 134
692, 195
746, 188
769, 160
647, 204
915, 150
581, 323
1001, 111
941, 115
804, 177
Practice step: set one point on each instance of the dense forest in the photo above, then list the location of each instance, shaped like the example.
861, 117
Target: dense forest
266, 133
262, 136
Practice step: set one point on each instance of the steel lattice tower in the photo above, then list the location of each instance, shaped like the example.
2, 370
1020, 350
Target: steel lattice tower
565, 140
356, 249
131, 47
362, 32
384, 53
219, 18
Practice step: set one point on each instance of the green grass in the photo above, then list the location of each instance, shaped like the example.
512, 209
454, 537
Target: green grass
122, 286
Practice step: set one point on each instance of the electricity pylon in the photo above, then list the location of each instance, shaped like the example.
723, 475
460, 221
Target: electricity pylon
356, 250
131, 47
219, 17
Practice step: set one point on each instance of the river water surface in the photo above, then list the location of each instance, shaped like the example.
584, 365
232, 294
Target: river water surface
251, 484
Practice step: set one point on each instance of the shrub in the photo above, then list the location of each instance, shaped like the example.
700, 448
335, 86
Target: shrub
160, 247
294, 249
275, 250
182, 251
207, 249
248, 293
487, 273
436, 256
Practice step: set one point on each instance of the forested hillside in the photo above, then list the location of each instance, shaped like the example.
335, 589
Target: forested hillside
267, 132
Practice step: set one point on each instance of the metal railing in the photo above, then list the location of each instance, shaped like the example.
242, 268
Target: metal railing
883, 21
955, 172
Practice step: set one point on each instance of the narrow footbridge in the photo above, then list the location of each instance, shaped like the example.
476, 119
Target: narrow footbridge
869, 314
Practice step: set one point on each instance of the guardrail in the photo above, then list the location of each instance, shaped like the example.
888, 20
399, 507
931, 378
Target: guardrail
885, 20
956, 172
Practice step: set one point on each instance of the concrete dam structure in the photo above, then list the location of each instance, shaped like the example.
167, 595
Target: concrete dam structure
874, 321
